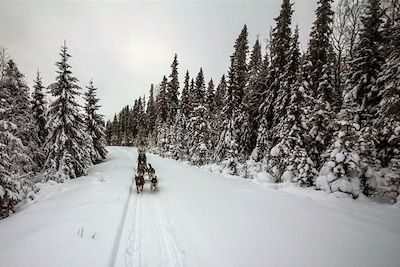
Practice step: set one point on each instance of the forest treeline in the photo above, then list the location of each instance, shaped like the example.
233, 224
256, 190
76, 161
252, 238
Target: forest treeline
327, 118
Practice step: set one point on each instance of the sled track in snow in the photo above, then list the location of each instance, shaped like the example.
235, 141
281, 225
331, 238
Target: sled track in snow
117, 240
133, 253
158, 231
145, 231
172, 254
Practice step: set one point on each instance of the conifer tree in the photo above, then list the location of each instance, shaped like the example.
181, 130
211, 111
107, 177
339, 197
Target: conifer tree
66, 148
290, 160
127, 125
162, 126
115, 131
210, 97
258, 102
220, 95
318, 81
199, 127
162, 102
39, 108
216, 123
20, 114
364, 71
341, 171
16, 154
181, 136
388, 84
151, 113
173, 91
251, 101
199, 89
368, 59
232, 114
141, 120
185, 103
94, 123
109, 132
275, 97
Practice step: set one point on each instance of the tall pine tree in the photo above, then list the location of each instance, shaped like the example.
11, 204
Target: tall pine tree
173, 91
232, 114
318, 82
364, 72
67, 153
275, 95
39, 108
94, 123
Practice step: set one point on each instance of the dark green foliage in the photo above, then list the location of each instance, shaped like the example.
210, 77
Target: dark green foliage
67, 148
94, 123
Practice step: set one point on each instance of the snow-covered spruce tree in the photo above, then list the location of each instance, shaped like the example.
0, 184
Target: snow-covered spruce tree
365, 67
318, 81
132, 116
289, 159
258, 100
216, 124
220, 95
127, 128
20, 114
12, 151
109, 132
199, 127
210, 104
4, 57
341, 170
141, 120
251, 100
389, 114
276, 95
94, 123
182, 138
39, 108
368, 60
16, 162
67, 154
232, 114
115, 138
173, 92
131, 126
162, 127
185, 103
151, 117
210, 97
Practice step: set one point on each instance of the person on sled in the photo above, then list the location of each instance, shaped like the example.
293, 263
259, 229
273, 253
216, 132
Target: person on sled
142, 160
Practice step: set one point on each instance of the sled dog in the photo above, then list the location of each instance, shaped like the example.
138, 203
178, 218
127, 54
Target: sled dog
153, 178
139, 180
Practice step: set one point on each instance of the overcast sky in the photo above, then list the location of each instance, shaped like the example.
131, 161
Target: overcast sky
126, 46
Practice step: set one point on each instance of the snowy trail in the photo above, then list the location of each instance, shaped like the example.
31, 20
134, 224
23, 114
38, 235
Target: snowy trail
149, 238
196, 219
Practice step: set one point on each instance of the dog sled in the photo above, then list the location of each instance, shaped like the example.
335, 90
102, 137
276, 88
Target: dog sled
145, 174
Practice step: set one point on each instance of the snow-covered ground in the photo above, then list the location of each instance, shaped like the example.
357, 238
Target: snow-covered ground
196, 219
